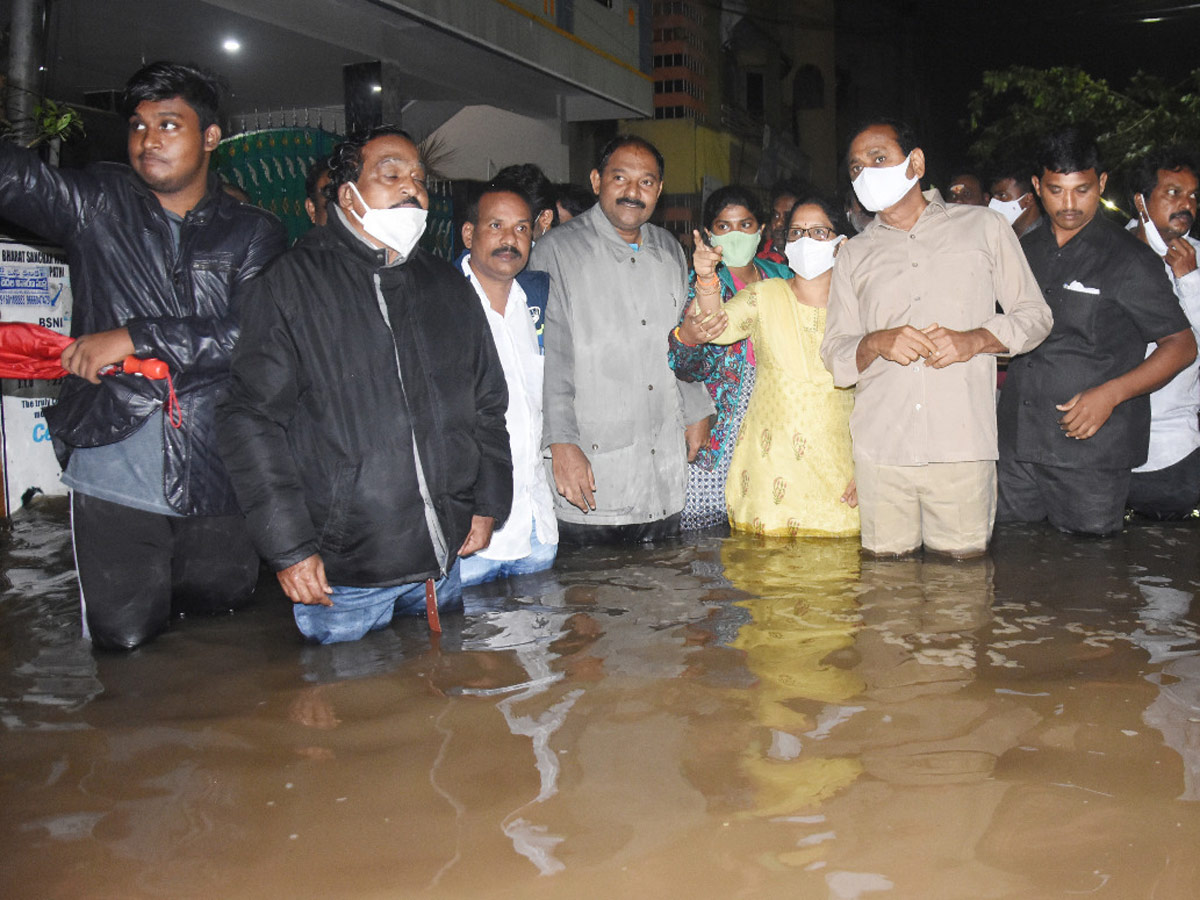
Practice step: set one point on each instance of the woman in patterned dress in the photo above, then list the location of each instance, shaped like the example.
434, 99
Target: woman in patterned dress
791, 472
733, 220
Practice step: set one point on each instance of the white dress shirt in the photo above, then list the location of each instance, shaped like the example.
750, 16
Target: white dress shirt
533, 501
1174, 430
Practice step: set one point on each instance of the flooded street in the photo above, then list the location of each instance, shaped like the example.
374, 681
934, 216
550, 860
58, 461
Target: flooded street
708, 719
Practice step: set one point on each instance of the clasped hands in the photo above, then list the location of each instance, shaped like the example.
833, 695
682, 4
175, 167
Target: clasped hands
1084, 414
938, 346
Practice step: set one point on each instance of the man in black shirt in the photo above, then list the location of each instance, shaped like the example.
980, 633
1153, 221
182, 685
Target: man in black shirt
1074, 414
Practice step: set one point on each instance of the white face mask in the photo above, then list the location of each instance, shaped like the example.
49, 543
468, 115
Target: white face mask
397, 229
1153, 238
1010, 209
810, 258
879, 188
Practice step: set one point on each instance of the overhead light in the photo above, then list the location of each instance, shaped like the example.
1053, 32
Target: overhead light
231, 45
377, 89
1150, 21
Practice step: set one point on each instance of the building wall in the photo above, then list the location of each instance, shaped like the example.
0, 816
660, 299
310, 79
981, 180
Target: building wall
593, 43
485, 139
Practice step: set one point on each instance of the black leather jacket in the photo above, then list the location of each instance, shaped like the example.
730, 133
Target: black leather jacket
319, 429
179, 306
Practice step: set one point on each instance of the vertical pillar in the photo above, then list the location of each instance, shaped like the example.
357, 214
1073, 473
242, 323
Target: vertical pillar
24, 66
372, 92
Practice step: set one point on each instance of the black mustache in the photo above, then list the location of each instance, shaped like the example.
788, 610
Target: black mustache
1185, 214
629, 201
507, 249
408, 201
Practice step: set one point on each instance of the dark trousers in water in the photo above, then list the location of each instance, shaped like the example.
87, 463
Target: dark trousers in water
1079, 501
1170, 493
136, 567
592, 535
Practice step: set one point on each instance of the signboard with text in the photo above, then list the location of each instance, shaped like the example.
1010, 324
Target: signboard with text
35, 286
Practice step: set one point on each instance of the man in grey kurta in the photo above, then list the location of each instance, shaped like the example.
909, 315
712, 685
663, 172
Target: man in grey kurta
619, 426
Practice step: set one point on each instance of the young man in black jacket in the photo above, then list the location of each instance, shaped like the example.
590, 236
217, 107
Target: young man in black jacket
364, 427
158, 255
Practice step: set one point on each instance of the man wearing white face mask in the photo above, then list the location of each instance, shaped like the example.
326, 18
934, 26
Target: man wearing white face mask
1012, 197
1167, 485
364, 429
913, 325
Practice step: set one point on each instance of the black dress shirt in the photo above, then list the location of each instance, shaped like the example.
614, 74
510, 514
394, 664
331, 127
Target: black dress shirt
1110, 298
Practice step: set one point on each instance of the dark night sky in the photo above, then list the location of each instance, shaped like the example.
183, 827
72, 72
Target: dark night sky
956, 41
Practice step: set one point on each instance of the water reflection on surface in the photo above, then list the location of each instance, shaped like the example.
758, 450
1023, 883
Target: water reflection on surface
713, 718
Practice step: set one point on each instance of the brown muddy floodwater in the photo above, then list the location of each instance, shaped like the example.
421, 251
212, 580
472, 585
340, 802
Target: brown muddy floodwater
707, 719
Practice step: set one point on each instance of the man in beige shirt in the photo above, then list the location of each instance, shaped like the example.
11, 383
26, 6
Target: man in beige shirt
913, 324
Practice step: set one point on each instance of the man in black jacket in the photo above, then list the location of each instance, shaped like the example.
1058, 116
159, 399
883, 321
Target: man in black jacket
364, 428
158, 256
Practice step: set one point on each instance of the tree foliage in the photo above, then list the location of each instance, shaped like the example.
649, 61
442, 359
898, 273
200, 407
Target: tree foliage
50, 121
1015, 107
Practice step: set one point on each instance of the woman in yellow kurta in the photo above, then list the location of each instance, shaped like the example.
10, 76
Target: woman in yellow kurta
792, 472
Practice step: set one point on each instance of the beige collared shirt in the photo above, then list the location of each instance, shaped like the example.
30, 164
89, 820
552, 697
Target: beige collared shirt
952, 268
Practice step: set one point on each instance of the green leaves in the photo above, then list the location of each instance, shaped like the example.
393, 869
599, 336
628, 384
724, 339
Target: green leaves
1014, 108
55, 120
50, 120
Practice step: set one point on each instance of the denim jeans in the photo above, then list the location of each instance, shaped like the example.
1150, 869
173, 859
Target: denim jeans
356, 610
477, 570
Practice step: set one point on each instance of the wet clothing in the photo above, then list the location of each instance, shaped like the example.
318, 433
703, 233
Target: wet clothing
365, 418
479, 569
357, 611
1110, 299
1078, 501
792, 462
522, 362
1169, 493
947, 507
137, 569
608, 387
173, 536
728, 373
179, 306
704, 503
602, 535
952, 268
1167, 485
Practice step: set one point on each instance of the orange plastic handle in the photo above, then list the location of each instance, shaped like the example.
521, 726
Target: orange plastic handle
154, 369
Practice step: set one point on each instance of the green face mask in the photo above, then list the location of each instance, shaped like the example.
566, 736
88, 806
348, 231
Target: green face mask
737, 247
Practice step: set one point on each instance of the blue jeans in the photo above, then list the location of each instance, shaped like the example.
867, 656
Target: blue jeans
356, 610
477, 570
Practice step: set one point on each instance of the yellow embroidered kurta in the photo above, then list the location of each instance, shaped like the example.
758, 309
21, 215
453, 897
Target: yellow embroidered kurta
792, 460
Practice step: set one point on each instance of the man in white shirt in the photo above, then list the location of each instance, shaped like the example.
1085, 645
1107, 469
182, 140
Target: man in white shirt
1167, 486
497, 233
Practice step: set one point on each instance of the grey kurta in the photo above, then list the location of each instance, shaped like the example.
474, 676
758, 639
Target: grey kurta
608, 387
